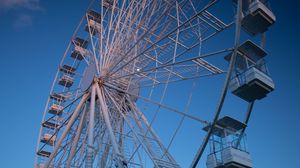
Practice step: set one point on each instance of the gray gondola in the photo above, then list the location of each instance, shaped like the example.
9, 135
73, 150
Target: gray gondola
80, 42
68, 69
79, 53
94, 28
66, 81
58, 97
50, 125
108, 4
43, 153
225, 153
251, 80
93, 15
258, 17
94, 21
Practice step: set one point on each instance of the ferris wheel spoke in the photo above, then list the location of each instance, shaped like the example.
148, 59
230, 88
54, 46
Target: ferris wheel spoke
158, 104
76, 138
150, 31
127, 15
196, 44
65, 146
136, 135
117, 21
156, 22
201, 40
160, 63
182, 117
140, 116
141, 71
61, 156
146, 85
157, 67
171, 32
94, 55
112, 46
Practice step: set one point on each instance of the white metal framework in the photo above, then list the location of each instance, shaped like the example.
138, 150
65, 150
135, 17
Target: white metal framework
125, 59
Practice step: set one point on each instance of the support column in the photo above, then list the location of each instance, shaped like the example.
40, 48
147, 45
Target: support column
90, 152
104, 110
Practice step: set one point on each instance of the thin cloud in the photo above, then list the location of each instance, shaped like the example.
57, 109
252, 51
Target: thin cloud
20, 11
17, 4
22, 21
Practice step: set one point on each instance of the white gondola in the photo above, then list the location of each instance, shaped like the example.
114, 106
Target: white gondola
55, 109
48, 139
251, 80
252, 85
258, 18
235, 158
66, 81
225, 153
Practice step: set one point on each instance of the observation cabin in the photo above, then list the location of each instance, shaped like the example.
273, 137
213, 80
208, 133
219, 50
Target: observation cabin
94, 22
79, 51
48, 139
251, 80
50, 125
257, 16
55, 109
66, 80
228, 145
59, 97
44, 153
108, 4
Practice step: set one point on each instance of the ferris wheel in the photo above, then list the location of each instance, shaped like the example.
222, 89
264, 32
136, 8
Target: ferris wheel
127, 84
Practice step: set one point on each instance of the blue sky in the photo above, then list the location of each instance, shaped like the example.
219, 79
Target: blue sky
34, 35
